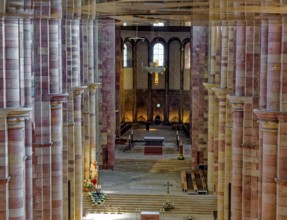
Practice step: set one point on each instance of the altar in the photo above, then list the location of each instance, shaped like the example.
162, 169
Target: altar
153, 141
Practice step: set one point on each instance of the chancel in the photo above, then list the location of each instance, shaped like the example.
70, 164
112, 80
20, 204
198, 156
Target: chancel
102, 102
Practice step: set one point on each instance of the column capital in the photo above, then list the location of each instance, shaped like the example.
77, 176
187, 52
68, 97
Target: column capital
236, 102
77, 91
281, 181
61, 97
268, 119
57, 100
15, 116
15, 112
209, 86
94, 86
220, 93
4, 180
265, 115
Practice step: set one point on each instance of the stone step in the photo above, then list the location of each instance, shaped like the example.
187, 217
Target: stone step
193, 204
152, 166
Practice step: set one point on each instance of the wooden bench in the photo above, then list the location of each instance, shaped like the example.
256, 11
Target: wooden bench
153, 141
202, 180
183, 181
195, 188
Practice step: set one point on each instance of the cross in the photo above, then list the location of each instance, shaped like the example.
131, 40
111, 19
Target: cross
168, 185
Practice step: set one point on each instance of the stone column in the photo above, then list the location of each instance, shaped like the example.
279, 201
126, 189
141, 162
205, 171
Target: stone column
263, 63
11, 64
281, 178
57, 155
4, 171
28, 169
247, 146
91, 153
237, 134
221, 96
269, 128
107, 70
28, 124
228, 159
16, 160
37, 161
240, 58
210, 153
77, 93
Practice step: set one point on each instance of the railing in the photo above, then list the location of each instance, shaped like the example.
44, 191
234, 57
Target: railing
186, 129
125, 127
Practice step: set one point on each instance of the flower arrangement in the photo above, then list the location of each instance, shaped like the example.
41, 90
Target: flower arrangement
180, 157
167, 206
88, 185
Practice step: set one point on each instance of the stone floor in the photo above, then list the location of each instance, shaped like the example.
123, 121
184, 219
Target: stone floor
146, 183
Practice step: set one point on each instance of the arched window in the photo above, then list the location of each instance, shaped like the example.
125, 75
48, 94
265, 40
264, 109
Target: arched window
187, 56
127, 55
158, 53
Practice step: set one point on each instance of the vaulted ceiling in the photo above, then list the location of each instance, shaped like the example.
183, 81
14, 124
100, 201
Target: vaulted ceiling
139, 12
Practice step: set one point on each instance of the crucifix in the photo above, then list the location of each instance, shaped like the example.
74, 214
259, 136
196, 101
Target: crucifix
168, 185
156, 69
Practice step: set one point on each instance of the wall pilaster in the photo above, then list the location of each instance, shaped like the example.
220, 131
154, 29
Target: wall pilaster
57, 155
281, 178
210, 151
221, 97
77, 93
269, 128
237, 134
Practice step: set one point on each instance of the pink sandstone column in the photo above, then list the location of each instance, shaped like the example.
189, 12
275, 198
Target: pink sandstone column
78, 152
247, 145
107, 71
281, 178
210, 153
221, 97
65, 162
228, 158
37, 161
28, 169
4, 171
16, 161
12, 67
240, 58
269, 127
28, 124
263, 63
199, 74
57, 158
92, 103
274, 65
236, 184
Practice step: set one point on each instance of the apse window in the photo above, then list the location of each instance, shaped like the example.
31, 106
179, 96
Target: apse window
158, 54
158, 24
127, 55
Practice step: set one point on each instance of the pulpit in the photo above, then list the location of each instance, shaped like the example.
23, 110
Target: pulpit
149, 215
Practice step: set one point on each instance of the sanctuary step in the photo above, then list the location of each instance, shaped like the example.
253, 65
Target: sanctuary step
185, 204
151, 166
153, 150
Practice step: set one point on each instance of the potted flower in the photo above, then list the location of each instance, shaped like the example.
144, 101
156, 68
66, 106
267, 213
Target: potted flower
180, 157
87, 185
167, 206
